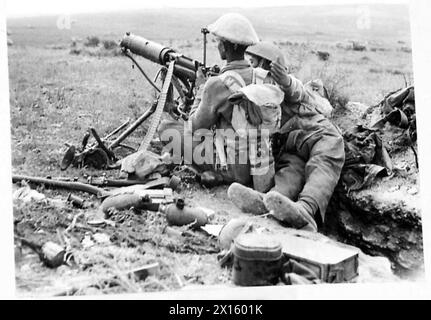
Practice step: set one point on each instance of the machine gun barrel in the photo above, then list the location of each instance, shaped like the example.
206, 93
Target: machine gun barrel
153, 51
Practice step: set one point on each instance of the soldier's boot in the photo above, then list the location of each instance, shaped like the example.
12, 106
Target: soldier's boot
247, 199
298, 215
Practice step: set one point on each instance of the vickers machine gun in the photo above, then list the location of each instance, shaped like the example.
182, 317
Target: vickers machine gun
177, 72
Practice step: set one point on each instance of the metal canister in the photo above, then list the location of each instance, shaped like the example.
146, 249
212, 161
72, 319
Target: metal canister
257, 260
75, 201
178, 214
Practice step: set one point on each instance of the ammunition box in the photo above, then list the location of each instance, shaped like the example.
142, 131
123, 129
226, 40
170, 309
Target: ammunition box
332, 263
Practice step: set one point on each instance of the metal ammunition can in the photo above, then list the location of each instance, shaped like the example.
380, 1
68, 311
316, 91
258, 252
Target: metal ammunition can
257, 260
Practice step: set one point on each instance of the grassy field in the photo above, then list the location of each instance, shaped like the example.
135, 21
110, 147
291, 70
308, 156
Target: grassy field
55, 95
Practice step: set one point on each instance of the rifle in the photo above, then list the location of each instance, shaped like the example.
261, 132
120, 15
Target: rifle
96, 185
177, 71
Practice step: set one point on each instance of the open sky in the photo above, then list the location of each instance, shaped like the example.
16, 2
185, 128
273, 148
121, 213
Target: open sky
19, 8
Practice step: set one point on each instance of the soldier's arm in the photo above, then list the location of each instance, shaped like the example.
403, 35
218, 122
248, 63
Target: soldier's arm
198, 98
200, 84
214, 94
294, 90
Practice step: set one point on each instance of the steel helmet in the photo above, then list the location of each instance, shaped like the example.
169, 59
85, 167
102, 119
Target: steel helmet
268, 51
234, 28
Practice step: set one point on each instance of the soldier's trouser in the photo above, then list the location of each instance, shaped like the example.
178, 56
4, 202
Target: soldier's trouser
310, 164
290, 175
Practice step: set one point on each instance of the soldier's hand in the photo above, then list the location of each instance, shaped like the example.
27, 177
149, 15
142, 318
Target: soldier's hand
201, 78
280, 74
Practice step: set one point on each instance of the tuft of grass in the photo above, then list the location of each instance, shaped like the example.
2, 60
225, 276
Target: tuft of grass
109, 44
406, 49
335, 80
356, 46
323, 55
394, 71
375, 70
92, 41
284, 43
379, 49
335, 84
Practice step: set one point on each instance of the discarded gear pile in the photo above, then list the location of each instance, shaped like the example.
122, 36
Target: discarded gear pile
367, 156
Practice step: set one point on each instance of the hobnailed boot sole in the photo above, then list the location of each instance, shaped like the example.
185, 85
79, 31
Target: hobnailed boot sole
247, 199
289, 211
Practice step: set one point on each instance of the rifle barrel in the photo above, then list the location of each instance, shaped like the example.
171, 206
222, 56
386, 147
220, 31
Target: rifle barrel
60, 184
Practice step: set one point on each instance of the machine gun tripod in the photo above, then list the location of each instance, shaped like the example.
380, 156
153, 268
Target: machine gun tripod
177, 72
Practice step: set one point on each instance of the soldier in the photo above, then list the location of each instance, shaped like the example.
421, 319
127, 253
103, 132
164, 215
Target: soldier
212, 108
311, 155
263, 53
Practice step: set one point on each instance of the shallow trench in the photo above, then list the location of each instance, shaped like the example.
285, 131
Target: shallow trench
393, 230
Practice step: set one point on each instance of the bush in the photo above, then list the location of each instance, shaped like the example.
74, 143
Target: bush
406, 49
380, 49
109, 44
358, 46
323, 55
92, 41
375, 70
75, 51
335, 81
394, 71
285, 43
338, 99
341, 45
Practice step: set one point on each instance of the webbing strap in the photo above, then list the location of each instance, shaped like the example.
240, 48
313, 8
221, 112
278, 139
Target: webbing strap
159, 109
256, 147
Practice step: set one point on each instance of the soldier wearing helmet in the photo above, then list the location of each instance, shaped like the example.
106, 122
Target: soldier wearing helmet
212, 108
235, 36
234, 33
311, 156
311, 151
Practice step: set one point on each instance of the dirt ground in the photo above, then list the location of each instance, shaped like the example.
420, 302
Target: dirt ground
56, 93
